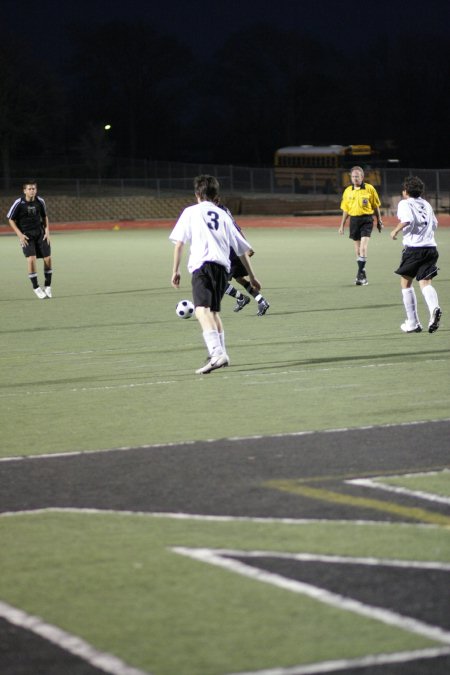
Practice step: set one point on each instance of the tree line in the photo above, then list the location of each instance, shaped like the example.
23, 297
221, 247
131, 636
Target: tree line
263, 89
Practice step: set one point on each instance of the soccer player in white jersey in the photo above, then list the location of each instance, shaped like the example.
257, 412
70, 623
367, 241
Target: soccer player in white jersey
211, 233
419, 255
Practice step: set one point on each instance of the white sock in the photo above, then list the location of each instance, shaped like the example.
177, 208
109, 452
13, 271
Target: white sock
212, 342
410, 303
431, 298
222, 341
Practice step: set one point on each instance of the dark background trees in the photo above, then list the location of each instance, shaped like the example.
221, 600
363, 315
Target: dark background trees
263, 88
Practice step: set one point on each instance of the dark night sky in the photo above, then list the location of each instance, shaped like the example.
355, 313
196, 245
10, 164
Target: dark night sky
41, 29
205, 25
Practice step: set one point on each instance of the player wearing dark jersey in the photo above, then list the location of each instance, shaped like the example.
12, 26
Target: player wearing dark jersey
28, 218
239, 273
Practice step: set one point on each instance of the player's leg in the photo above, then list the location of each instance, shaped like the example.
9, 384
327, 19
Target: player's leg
208, 285
431, 298
48, 272
263, 305
361, 259
412, 323
33, 277
237, 270
241, 299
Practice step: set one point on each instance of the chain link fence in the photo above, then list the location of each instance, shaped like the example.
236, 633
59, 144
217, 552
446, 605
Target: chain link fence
127, 178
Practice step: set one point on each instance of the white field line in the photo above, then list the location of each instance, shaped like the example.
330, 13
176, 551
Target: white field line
336, 559
75, 645
345, 665
215, 519
293, 434
114, 666
371, 483
238, 373
341, 602
76, 390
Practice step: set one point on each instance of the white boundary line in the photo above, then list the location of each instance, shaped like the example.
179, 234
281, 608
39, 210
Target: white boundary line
386, 487
75, 645
336, 559
216, 519
231, 439
341, 602
342, 664
115, 666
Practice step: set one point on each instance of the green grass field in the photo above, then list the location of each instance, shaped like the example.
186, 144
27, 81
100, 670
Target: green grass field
107, 363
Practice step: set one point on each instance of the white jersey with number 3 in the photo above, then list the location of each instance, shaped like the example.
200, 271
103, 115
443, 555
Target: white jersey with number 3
211, 233
419, 215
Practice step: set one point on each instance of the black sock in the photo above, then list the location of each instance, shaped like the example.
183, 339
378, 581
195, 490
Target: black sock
34, 280
48, 276
253, 292
231, 290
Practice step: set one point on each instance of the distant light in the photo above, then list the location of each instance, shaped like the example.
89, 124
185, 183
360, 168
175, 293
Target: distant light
107, 127
393, 161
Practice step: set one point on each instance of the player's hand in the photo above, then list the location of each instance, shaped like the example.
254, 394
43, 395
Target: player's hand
256, 285
394, 234
380, 225
23, 240
176, 278
341, 229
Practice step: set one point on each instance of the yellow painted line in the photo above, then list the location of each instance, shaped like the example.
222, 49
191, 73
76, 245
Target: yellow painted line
413, 513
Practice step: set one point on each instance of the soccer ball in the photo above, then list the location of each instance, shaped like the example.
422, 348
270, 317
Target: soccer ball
185, 309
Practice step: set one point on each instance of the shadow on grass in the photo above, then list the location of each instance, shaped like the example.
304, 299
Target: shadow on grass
342, 359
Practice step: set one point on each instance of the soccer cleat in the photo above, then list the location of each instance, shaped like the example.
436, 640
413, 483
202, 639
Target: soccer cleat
213, 363
40, 293
361, 279
241, 302
435, 320
263, 306
407, 327
48, 291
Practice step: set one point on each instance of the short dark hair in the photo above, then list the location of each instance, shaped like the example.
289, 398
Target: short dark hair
29, 182
414, 186
206, 187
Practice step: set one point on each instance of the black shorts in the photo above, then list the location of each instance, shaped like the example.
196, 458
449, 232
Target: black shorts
419, 262
360, 226
37, 245
237, 268
208, 285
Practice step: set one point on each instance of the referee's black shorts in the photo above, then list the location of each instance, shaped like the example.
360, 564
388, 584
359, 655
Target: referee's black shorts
360, 226
419, 262
208, 285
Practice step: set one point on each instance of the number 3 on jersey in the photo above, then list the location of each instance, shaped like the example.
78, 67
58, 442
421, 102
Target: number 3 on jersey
213, 223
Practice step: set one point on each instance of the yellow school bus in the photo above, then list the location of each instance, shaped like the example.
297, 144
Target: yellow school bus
323, 168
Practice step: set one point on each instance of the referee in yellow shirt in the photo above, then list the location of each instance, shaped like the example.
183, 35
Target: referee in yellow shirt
360, 201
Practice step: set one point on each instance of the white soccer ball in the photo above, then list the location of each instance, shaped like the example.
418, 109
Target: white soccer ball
185, 309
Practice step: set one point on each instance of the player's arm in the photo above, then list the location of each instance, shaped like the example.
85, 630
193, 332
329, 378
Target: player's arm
245, 259
22, 237
46, 229
378, 217
343, 221
398, 229
177, 253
